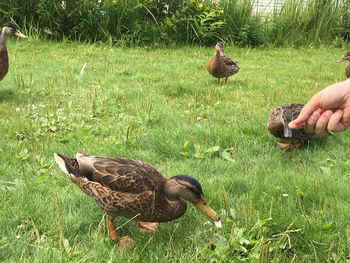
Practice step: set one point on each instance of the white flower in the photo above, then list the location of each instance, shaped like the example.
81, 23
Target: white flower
285, 195
18, 109
60, 109
34, 107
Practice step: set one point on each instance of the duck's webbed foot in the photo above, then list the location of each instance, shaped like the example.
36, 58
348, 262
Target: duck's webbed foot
288, 145
297, 147
125, 242
148, 226
285, 145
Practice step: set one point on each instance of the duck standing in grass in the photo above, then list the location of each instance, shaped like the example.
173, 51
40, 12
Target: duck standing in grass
347, 70
220, 66
279, 120
8, 29
134, 189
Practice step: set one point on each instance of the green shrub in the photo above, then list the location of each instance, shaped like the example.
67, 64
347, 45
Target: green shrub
203, 22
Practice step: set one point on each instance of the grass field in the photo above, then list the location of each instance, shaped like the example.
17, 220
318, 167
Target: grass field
162, 107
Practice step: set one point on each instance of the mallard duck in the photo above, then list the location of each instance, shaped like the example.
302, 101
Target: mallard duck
134, 189
347, 70
8, 29
279, 120
220, 66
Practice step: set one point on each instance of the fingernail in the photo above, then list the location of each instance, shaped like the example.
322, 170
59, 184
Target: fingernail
340, 111
319, 110
315, 114
328, 113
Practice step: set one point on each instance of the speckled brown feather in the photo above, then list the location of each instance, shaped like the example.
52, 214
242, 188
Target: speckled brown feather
127, 175
4, 62
275, 127
145, 206
124, 187
347, 71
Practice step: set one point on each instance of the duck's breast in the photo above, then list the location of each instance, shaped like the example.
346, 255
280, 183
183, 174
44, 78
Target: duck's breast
4, 63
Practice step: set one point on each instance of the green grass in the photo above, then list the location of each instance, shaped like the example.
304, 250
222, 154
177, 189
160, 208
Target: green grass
162, 107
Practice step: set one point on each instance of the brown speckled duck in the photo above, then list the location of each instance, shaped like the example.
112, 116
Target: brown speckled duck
220, 66
278, 124
134, 189
8, 29
347, 70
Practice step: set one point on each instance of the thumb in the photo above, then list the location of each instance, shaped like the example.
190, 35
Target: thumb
305, 113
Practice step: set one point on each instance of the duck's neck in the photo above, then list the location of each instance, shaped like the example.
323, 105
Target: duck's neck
168, 207
3, 39
171, 190
217, 54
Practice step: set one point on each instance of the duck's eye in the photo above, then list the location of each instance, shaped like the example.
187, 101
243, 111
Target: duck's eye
191, 188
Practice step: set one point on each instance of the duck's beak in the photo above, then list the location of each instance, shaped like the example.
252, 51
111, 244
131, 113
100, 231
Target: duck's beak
19, 34
341, 60
287, 132
206, 210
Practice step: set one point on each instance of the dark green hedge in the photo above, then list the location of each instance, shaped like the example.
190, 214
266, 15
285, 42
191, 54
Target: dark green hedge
155, 22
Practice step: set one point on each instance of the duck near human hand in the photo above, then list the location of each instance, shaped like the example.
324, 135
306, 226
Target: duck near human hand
346, 57
220, 66
279, 120
134, 189
8, 29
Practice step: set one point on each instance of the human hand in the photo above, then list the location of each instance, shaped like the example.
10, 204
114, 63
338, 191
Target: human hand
328, 110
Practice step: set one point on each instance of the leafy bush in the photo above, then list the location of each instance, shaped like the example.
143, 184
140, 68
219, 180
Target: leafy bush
140, 22
299, 22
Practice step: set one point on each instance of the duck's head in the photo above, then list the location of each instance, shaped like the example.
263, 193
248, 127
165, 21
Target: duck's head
346, 57
184, 187
285, 117
218, 49
221, 44
9, 28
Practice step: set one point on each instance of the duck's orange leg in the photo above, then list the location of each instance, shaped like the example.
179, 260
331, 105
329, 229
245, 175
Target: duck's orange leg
284, 145
297, 147
111, 229
149, 226
123, 241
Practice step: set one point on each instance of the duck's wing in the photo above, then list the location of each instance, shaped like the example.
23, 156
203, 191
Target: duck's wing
121, 187
116, 203
229, 62
118, 174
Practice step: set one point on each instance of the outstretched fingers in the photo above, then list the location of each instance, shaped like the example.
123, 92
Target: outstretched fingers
321, 124
334, 123
306, 112
312, 120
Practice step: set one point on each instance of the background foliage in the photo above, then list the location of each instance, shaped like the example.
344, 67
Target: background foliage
162, 22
